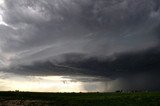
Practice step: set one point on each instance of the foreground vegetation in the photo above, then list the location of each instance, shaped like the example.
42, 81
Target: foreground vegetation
80, 99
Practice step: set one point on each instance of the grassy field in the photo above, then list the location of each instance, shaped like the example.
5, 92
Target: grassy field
79, 99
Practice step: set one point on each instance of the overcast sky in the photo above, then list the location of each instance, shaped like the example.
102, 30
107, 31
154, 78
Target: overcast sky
114, 44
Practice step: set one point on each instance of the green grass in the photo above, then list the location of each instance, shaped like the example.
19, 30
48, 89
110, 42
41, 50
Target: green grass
88, 99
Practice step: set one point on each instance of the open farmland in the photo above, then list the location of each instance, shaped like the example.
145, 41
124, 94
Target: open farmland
79, 99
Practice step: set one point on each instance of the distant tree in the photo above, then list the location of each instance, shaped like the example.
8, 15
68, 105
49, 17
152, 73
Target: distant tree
16, 90
119, 91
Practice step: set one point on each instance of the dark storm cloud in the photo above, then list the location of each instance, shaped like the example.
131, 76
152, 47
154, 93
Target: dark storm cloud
115, 66
47, 22
115, 39
134, 70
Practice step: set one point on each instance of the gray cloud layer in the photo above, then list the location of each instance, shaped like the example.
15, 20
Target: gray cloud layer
109, 38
